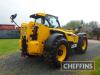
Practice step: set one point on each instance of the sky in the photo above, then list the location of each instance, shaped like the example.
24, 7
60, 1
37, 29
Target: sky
66, 10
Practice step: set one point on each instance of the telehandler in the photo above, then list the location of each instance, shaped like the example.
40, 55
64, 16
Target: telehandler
44, 37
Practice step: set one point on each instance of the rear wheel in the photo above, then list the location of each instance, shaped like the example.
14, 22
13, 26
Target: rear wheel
82, 45
57, 52
28, 55
62, 51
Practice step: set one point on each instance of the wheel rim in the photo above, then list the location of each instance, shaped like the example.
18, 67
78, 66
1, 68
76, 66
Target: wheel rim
84, 45
61, 55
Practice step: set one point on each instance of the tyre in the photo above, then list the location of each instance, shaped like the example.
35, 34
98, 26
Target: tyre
82, 45
57, 52
30, 56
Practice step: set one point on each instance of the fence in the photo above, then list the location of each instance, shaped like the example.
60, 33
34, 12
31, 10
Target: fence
9, 34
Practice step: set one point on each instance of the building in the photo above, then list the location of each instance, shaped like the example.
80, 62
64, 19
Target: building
8, 31
7, 27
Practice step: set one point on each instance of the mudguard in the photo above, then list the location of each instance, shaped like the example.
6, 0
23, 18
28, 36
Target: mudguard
52, 38
82, 34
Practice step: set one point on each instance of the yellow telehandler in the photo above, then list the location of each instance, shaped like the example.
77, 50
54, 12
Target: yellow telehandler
44, 37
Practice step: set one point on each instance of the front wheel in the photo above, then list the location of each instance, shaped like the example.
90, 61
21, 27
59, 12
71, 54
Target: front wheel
82, 45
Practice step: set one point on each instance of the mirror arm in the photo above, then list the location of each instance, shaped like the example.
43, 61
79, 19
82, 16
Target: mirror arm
15, 23
12, 17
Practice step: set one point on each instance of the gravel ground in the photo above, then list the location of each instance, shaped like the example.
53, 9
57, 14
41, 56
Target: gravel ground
15, 65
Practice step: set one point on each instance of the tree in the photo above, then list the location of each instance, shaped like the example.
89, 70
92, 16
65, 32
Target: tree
93, 24
73, 25
96, 31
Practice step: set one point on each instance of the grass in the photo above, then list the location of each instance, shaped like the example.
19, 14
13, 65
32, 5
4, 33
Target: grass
8, 46
97, 68
97, 64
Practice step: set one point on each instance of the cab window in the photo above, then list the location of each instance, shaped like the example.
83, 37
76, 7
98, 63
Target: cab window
46, 23
38, 20
53, 21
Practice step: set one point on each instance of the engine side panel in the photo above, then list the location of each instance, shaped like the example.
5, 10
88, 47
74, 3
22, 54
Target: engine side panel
71, 37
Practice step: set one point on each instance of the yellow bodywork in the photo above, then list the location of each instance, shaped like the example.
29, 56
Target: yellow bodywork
70, 36
41, 14
35, 47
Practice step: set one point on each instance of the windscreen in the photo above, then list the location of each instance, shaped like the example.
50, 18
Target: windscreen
53, 21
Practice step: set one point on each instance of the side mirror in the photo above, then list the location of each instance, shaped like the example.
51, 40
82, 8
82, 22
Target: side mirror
12, 17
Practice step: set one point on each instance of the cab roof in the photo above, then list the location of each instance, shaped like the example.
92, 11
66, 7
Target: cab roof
41, 14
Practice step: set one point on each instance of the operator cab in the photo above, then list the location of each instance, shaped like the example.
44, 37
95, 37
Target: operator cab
46, 19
